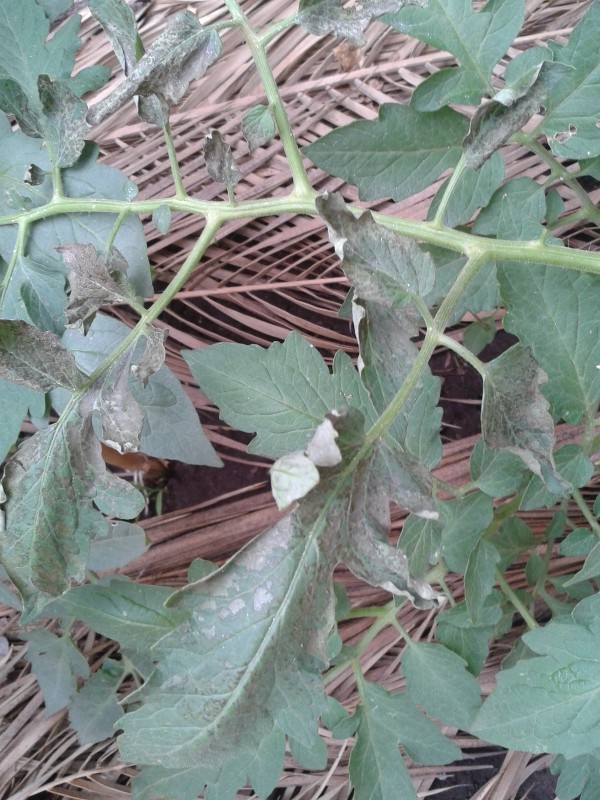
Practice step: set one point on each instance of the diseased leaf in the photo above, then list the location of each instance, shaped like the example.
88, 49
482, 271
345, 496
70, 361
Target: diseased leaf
118, 412
397, 155
258, 126
220, 163
554, 312
381, 265
50, 484
19, 156
480, 576
548, 704
281, 393
63, 125
496, 120
118, 21
571, 117
478, 40
94, 281
95, 709
36, 359
321, 17
176, 434
153, 356
385, 720
57, 664
515, 417
438, 680
182, 53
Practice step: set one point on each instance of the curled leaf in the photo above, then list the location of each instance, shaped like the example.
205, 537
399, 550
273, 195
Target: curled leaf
220, 163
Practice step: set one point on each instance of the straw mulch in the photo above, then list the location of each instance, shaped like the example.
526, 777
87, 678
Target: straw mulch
259, 281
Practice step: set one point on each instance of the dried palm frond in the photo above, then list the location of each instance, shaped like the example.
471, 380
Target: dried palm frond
260, 280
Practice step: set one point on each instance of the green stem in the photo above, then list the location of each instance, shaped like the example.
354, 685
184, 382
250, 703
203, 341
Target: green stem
115, 229
55, 175
514, 599
464, 353
438, 220
584, 508
180, 192
302, 187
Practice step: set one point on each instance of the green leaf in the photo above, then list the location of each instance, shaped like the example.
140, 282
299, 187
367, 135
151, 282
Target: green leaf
385, 720
465, 520
438, 680
182, 53
220, 163
477, 39
514, 212
480, 576
573, 466
549, 704
474, 190
57, 664
258, 126
421, 540
121, 543
95, 709
171, 426
496, 472
590, 569
281, 393
554, 312
16, 402
133, 614
571, 106
514, 538
26, 51
54, 8
579, 777
514, 414
36, 359
397, 155
455, 629
578, 543
184, 784
35, 294
94, 281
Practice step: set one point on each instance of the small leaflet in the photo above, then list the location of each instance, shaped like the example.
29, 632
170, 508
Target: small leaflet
161, 218
57, 664
515, 416
94, 281
219, 160
95, 708
182, 53
321, 17
35, 358
258, 126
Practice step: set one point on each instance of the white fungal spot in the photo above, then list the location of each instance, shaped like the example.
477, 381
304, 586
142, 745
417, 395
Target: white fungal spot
262, 597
